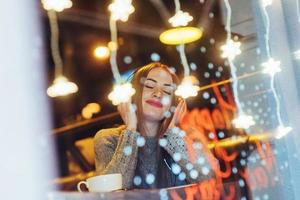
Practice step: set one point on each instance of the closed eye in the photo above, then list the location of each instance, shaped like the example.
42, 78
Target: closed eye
148, 86
167, 92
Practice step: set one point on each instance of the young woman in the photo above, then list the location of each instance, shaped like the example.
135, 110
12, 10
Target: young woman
149, 150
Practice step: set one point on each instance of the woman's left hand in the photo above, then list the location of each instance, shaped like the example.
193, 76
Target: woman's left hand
178, 114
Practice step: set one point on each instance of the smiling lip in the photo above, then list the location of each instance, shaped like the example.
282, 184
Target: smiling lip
154, 103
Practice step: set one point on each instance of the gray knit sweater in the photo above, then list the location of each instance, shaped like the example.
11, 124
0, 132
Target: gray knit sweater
117, 151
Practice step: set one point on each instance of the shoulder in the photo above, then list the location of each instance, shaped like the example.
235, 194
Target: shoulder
109, 135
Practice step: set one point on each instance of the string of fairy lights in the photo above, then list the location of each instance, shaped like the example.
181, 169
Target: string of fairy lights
272, 67
179, 35
61, 85
120, 10
230, 50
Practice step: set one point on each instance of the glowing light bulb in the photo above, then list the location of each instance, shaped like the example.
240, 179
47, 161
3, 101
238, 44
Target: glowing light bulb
101, 52
180, 35
90, 109
188, 87
282, 131
180, 19
243, 121
231, 49
121, 93
266, 3
271, 67
94, 107
121, 9
57, 5
112, 46
61, 87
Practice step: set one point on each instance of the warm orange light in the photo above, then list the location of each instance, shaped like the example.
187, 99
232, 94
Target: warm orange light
61, 87
90, 109
112, 46
101, 52
180, 35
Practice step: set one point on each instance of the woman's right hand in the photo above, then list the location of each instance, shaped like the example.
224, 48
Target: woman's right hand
128, 114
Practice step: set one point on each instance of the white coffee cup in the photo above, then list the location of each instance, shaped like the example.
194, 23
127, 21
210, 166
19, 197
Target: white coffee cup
102, 183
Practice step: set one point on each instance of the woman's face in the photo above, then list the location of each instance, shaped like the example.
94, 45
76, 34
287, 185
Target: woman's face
157, 94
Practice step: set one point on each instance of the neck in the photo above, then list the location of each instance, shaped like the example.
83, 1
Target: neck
150, 128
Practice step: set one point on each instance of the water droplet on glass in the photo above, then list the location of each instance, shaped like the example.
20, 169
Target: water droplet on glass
242, 87
201, 160
155, 57
211, 135
150, 178
203, 49
182, 133
163, 142
213, 100
137, 180
194, 174
127, 150
176, 169
177, 157
189, 166
173, 70
167, 114
243, 162
234, 170
206, 95
165, 100
241, 183
221, 134
173, 109
182, 176
193, 66
205, 170
127, 60
197, 145
140, 141
142, 80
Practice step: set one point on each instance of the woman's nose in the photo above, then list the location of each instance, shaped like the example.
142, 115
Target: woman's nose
157, 93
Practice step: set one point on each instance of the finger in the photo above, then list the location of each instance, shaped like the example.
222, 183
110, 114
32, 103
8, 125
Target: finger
179, 107
184, 107
122, 111
181, 111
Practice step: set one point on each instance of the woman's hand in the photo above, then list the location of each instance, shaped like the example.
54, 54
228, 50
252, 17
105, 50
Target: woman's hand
178, 114
128, 114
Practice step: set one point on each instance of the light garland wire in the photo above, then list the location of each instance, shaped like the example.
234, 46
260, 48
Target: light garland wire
58, 63
230, 50
267, 33
184, 60
272, 81
177, 5
122, 92
181, 47
272, 67
113, 53
230, 61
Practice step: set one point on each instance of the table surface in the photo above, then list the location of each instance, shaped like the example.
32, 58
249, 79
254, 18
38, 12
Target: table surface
180, 192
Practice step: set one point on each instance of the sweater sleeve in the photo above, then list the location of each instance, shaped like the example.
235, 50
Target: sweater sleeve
195, 171
116, 154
